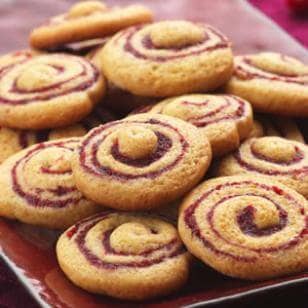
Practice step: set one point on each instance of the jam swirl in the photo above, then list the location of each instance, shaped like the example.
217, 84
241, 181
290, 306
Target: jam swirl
170, 150
262, 219
137, 42
148, 241
14, 58
202, 110
53, 76
270, 160
246, 69
52, 186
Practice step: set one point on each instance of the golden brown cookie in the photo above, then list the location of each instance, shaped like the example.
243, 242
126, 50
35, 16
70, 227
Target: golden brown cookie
167, 58
246, 226
37, 186
49, 91
141, 162
267, 125
274, 158
128, 256
224, 119
87, 20
272, 83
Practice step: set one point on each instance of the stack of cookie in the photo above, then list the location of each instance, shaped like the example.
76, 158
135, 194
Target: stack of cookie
127, 189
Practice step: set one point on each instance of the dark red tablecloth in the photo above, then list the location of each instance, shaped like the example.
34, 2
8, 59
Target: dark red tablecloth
12, 294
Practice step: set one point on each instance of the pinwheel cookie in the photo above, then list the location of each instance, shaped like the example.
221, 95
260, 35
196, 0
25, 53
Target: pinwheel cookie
49, 91
246, 227
140, 162
37, 186
167, 58
272, 83
276, 126
87, 20
123, 255
225, 119
272, 157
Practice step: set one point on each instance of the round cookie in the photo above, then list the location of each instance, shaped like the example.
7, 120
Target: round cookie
37, 186
141, 162
246, 227
272, 83
87, 20
224, 119
266, 125
274, 158
128, 256
167, 58
49, 91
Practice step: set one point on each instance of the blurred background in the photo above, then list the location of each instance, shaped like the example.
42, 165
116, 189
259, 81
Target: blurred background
18, 17
291, 15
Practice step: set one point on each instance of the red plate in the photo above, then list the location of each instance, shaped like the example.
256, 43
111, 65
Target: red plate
29, 251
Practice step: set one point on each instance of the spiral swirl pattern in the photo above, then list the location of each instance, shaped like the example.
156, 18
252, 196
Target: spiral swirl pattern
274, 157
9, 60
173, 49
272, 83
55, 195
122, 157
120, 246
224, 119
245, 227
66, 74
272, 67
137, 42
40, 182
42, 86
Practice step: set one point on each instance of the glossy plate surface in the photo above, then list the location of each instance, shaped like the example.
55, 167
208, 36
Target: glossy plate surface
29, 251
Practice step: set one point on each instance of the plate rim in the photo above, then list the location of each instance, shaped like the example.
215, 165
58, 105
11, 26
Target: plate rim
24, 280
245, 294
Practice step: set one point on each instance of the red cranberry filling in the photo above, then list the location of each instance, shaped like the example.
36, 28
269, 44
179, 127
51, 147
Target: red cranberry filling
245, 221
95, 167
242, 73
169, 250
66, 195
178, 52
46, 93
